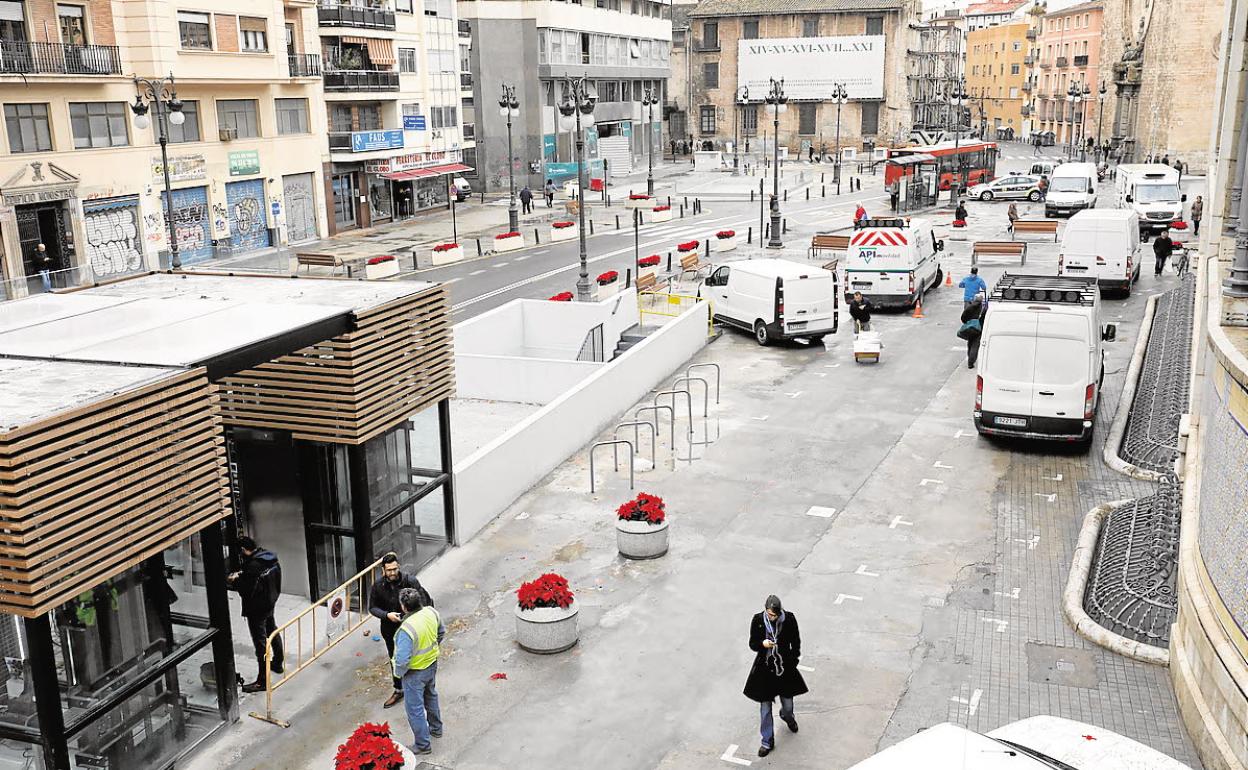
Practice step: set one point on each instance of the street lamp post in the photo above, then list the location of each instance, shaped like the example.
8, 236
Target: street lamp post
1099, 115
840, 96
1073, 95
648, 100
777, 103
579, 97
743, 96
162, 94
956, 99
1085, 94
509, 107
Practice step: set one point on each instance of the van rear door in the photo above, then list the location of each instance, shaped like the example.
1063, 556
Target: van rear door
1008, 367
808, 302
1063, 368
880, 262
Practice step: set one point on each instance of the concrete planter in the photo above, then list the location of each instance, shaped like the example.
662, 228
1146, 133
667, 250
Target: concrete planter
641, 539
448, 256
509, 244
564, 233
608, 290
724, 244
661, 216
639, 203
547, 630
387, 269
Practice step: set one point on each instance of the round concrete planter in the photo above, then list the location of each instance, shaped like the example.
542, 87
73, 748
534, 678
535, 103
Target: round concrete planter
640, 539
547, 630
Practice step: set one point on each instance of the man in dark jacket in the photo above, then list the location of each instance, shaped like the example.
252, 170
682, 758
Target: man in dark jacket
526, 200
777, 645
960, 212
1163, 247
974, 311
383, 604
258, 583
860, 311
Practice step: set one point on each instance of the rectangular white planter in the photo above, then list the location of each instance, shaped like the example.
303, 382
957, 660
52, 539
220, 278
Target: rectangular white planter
564, 233
642, 203
382, 270
509, 244
448, 256
727, 244
661, 216
608, 291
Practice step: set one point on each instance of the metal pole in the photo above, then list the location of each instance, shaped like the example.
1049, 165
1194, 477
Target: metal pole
513, 216
736, 160
776, 94
836, 167
1099, 115
454, 224
175, 261
582, 282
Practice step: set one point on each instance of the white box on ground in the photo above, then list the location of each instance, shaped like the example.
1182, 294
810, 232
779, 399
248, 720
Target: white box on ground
661, 216
387, 269
608, 290
724, 244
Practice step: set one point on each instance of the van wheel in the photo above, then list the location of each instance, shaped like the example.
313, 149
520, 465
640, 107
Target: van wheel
1033, 196
940, 276
761, 334
1086, 444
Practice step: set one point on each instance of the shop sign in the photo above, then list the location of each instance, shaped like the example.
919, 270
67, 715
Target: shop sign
40, 196
548, 145
245, 163
367, 141
411, 161
182, 168
414, 123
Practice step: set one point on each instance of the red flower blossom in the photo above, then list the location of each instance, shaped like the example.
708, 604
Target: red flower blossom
446, 246
549, 590
650, 261
644, 508
381, 260
369, 748
507, 235
690, 246
608, 277
563, 296
1179, 225
662, 208
639, 197
726, 234
959, 223
561, 225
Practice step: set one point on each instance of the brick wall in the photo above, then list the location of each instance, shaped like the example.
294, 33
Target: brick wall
45, 26
226, 31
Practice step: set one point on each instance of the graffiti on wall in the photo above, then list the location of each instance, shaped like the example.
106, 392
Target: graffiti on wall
190, 224
248, 218
113, 243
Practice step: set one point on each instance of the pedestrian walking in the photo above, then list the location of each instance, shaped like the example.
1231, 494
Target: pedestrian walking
1163, 247
972, 328
44, 263
258, 582
1012, 215
810, 154
1044, 186
526, 200
549, 192
383, 604
777, 644
416, 648
860, 311
960, 212
1165, 159
1035, 140
971, 286
894, 195
1198, 209
860, 216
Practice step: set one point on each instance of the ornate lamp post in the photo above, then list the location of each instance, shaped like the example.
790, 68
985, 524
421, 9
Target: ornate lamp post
1073, 95
161, 94
1084, 95
509, 107
1100, 113
579, 97
777, 102
743, 98
840, 96
957, 98
648, 99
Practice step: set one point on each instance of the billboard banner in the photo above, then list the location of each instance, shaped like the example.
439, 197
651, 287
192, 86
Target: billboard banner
811, 66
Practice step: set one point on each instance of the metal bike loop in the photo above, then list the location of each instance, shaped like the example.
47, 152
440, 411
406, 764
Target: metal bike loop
689, 411
671, 415
629, 444
654, 452
717, 376
706, 392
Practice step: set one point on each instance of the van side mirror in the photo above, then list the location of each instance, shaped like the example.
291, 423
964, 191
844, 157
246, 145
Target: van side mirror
940, 245
1182, 199
1109, 332
1129, 199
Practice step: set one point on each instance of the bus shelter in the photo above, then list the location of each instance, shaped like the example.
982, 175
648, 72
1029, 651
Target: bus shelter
915, 178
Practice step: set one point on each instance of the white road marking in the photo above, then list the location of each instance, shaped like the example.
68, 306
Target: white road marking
1031, 542
500, 264
522, 516
761, 419
821, 511
1050, 498
450, 281
476, 272
939, 464
898, 521
727, 756
840, 598
862, 570
1012, 594
1001, 624
794, 395
800, 667
1058, 477
522, 258
962, 433
957, 348
821, 374
831, 366
925, 482
972, 705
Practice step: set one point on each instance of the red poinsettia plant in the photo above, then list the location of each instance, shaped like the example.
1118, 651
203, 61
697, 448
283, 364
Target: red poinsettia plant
645, 507
959, 223
639, 197
650, 261
446, 246
562, 225
724, 235
563, 296
1179, 225
690, 246
507, 235
608, 277
381, 260
662, 208
549, 590
369, 748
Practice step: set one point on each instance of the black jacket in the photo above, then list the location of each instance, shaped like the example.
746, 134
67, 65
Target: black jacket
860, 312
383, 598
762, 684
258, 584
1162, 247
960, 212
526, 195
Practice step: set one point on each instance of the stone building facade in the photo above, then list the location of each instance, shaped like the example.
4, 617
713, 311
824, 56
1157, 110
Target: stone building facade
1069, 53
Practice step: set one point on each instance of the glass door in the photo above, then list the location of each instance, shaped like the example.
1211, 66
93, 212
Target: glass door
344, 201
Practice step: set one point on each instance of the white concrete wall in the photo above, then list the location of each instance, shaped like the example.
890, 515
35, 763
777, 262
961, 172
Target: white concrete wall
545, 329
500, 332
520, 379
496, 475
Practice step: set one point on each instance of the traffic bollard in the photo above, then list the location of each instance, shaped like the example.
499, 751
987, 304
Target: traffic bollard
749, 234
617, 221
807, 193
591, 227
785, 228
786, 195
751, 196
478, 247
682, 212
537, 238
823, 193
669, 261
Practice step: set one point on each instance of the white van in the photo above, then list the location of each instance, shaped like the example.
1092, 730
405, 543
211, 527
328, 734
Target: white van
893, 262
1103, 244
1152, 191
1072, 187
774, 298
461, 189
1041, 361
1044, 168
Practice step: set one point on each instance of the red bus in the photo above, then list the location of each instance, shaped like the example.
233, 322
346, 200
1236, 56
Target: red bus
976, 161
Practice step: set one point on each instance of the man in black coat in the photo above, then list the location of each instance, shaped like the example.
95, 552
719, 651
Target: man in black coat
1163, 247
976, 311
860, 311
777, 644
383, 604
258, 583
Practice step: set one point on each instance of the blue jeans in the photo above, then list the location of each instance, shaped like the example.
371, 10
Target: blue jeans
768, 727
420, 699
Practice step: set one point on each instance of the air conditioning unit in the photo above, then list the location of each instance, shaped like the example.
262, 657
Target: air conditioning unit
228, 134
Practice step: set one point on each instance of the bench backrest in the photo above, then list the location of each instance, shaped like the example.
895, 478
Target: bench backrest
647, 281
834, 242
1000, 247
307, 258
1035, 224
689, 262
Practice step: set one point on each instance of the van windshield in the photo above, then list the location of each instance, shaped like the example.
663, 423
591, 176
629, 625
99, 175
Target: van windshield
1073, 184
1157, 193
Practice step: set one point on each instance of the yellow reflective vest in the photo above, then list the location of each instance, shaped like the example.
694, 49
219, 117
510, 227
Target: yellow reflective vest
422, 628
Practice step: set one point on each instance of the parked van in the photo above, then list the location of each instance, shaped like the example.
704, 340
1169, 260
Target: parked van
1152, 191
893, 261
461, 189
1041, 362
1103, 244
1072, 187
774, 298
1044, 168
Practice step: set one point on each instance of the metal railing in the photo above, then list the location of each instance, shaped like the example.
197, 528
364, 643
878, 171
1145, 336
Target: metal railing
361, 80
1081, 60
340, 140
592, 347
330, 14
304, 65
41, 283
666, 305
338, 614
465, 80
1062, 61
25, 57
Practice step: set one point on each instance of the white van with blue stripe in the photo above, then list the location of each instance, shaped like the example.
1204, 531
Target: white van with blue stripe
893, 262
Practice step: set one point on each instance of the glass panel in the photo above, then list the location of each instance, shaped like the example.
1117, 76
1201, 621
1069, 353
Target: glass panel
423, 437
417, 534
18, 696
333, 480
334, 560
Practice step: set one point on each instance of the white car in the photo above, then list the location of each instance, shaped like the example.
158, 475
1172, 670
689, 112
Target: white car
1009, 187
1036, 743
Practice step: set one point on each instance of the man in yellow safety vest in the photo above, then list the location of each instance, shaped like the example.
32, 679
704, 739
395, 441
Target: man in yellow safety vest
416, 665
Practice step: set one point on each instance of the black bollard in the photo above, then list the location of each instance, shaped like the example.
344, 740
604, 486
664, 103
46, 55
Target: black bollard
669, 261
785, 229
478, 247
751, 196
807, 193
537, 238
786, 195
617, 221
682, 212
823, 191
591, 227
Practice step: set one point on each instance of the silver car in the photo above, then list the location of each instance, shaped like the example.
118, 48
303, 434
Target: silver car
1011, 186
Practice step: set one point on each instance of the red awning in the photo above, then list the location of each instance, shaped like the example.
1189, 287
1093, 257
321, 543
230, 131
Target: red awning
449, 169
416, 173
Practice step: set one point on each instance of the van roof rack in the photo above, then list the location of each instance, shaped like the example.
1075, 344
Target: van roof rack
886, 222
1060, 289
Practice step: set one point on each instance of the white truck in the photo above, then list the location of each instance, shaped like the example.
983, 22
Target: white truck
893, 261
1152, 190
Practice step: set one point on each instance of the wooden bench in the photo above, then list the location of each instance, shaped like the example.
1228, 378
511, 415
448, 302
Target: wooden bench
649, 282
999, 249
1046, 226
826, 242
692, 264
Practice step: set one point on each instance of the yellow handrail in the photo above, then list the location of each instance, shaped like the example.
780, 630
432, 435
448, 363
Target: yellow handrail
358, 587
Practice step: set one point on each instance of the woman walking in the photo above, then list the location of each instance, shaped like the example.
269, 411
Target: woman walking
777, 644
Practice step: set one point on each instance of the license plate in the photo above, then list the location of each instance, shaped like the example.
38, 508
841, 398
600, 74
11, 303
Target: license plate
1013, 422
862, 284
797, 325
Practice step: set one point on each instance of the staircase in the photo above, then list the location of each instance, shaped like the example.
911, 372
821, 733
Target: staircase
630, 336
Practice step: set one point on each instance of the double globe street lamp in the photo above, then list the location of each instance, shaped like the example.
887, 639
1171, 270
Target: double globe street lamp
161, 95
743, 98
509, 107
1100, 113
648, 99
777, 103
957, 97
840, 96
579, 97
1074, 95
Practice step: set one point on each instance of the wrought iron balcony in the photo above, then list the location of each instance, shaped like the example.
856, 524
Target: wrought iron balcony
1081, 60
464, 27
361, 80
1044, 65
340, 141
1062, 61
1027, 86
465, 80
1029, 60
329, 14
30, 58
304, 65
1032, 34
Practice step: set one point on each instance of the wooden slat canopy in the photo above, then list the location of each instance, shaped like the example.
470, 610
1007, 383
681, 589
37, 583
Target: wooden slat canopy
348, 389
88, 492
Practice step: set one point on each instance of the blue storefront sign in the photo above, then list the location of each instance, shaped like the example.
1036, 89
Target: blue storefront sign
365, 141
562, 172
548, 146
414, 123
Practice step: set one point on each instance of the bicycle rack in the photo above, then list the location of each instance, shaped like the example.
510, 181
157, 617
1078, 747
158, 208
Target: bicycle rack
592, 488
671, 414
717, 376
689, 410
654, 452
706, 392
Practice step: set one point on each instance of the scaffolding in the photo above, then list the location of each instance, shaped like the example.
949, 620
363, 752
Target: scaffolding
935, 66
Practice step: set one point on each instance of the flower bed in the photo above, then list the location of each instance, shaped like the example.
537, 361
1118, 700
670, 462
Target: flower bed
546, 615
661, 214
608, 284
561, 225
563, 296
446, 253
639, 201
651, 261
508, 241
563, 231
689, 246
959, 223
641, 530
370, 747
724, 235
726, 240
385, 266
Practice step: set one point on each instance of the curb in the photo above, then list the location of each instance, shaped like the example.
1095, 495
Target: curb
1076, 585
1119, 427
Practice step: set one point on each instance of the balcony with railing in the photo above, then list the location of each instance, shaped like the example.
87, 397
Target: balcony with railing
1044, 65
32, 58
470, 131
465, 80
361, 80
1081, 60
1027, 86
331, 14
464, 28
340, 141
304, 65
1032, 33
1062, 61
1029, 60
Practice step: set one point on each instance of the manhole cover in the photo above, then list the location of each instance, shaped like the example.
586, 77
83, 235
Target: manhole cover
1066, 666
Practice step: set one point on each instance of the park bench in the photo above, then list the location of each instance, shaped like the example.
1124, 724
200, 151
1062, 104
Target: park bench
310, 259
1046, 226
827, 242
691, 264
999, 249
650, 283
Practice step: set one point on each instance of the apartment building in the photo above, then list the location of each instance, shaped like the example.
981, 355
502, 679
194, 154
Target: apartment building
1069, 47
80, 176
621, 46
993, 13
995, 77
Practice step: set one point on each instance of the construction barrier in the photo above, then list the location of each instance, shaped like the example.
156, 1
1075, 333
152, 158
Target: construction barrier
666, 305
